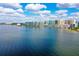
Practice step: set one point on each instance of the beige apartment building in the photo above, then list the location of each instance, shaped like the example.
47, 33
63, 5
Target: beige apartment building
66, 23
59, 23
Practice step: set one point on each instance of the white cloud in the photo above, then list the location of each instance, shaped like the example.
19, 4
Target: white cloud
45, 12
1, 9
68, 5
63, 14
70, 18
13, 17
18, 14
61, 11
12, 13
62, 5
39, 9
35, 7
20, 10
10, 5
75, 14
53, 17
9, 10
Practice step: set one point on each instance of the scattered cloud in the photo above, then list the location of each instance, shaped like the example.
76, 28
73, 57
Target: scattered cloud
8, 10
39, 9
43, 12
20, 10
68, 5
18, 14
14, 12
61, 11
75, 14
35, 7
11, 12
10, 5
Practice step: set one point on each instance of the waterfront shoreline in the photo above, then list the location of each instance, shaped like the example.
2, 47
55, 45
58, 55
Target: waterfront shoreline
68, 30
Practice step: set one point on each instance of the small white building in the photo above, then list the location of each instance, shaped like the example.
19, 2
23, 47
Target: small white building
18, 24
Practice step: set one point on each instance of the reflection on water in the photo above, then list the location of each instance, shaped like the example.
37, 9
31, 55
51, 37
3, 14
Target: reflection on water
68, 43
16, 40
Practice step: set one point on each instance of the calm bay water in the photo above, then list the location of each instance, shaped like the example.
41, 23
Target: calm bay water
22, 41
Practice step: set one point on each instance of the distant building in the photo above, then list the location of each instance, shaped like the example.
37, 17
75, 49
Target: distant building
59, 23
72, 23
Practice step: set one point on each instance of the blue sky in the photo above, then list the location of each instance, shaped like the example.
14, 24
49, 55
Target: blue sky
52, 7
20, 12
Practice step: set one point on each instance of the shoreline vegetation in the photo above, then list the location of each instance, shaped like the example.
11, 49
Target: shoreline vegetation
75, 29
70, 30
